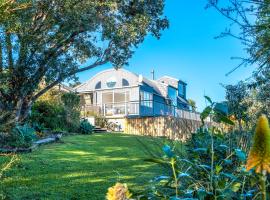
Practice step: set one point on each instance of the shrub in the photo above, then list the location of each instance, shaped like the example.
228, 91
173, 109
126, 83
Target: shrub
63, 114
86, 127
101, 121
201, 176
48, 114
21, 136
71, 102
214, 168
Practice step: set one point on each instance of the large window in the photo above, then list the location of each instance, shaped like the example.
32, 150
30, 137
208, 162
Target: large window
146, 99
115, 97
107, 98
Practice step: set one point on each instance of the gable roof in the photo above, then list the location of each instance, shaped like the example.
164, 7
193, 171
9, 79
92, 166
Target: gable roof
169, 81
160, 86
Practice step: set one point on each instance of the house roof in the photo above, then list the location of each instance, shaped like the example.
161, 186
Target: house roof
66, 88
159, 86
169, 81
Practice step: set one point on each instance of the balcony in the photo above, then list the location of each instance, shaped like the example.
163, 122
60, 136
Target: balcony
112, 109
137, 108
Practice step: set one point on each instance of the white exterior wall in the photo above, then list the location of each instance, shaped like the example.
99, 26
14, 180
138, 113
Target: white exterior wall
105, 77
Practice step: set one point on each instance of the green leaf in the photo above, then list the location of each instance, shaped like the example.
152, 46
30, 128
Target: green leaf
209, 99
206, 112
218, 168
240, 154
203, 150
225, 120
236, 187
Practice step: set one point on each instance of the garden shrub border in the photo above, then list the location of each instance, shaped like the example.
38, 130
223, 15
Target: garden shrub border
50, 139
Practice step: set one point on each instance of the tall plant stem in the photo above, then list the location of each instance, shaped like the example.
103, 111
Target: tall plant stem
263, 185
175, 177
212, 161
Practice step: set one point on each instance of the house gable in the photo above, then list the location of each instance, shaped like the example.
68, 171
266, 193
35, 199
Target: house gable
109, 79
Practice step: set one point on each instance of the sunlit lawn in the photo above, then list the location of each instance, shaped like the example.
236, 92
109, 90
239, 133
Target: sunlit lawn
82, 167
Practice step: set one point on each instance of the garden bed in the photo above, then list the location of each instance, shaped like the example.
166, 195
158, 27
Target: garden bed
50, 139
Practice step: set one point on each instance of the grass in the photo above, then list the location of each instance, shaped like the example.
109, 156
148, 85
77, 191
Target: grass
82, 167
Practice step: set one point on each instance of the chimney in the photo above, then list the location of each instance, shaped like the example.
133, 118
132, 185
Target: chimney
153, 74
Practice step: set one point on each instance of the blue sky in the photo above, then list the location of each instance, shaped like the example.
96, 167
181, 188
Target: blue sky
188, 51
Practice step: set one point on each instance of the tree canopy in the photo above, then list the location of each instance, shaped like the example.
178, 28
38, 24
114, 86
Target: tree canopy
55, 40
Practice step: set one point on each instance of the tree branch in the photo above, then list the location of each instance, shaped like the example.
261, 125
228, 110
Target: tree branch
62, 78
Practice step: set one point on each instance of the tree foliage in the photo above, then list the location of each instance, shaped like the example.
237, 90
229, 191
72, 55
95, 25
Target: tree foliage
192, 104
55, 40
236, 96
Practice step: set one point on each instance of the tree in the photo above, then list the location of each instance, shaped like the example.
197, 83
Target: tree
192, 103
55, 40
262, 87
236, 96
253, 20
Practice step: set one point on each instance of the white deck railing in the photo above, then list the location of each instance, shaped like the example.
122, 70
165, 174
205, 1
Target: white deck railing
139, 108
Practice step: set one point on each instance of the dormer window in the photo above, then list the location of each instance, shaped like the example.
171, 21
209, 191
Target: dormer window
182, 90
125, 82
98, 85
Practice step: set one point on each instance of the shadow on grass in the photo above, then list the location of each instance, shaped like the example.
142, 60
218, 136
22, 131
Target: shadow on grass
83, 167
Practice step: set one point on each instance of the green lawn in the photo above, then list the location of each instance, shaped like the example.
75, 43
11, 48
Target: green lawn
82, 167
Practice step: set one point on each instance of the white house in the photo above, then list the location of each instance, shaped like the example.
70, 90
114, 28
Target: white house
117, 94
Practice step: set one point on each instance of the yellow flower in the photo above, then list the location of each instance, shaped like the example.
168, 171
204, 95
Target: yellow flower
259, 155
118, 192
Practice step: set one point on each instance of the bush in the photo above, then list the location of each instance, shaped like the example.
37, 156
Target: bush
20, 136
214, 167
48, 114
71, 102
101, 121
62, 115
200, 176
86, 127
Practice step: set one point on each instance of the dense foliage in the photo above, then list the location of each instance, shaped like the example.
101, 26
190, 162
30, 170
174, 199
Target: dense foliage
214, 166
248, 100
201, 176
62, 114
236, 96
20, 136
86, 127
54, 40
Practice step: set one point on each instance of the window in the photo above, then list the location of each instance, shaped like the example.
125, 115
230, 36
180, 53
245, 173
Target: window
146, 99
125, 82
98, 85
111, 82
181, 90
107, 98
172, 93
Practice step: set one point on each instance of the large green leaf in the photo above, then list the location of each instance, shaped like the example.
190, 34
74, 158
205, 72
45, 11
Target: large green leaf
225, 119
208, 99
206, 112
